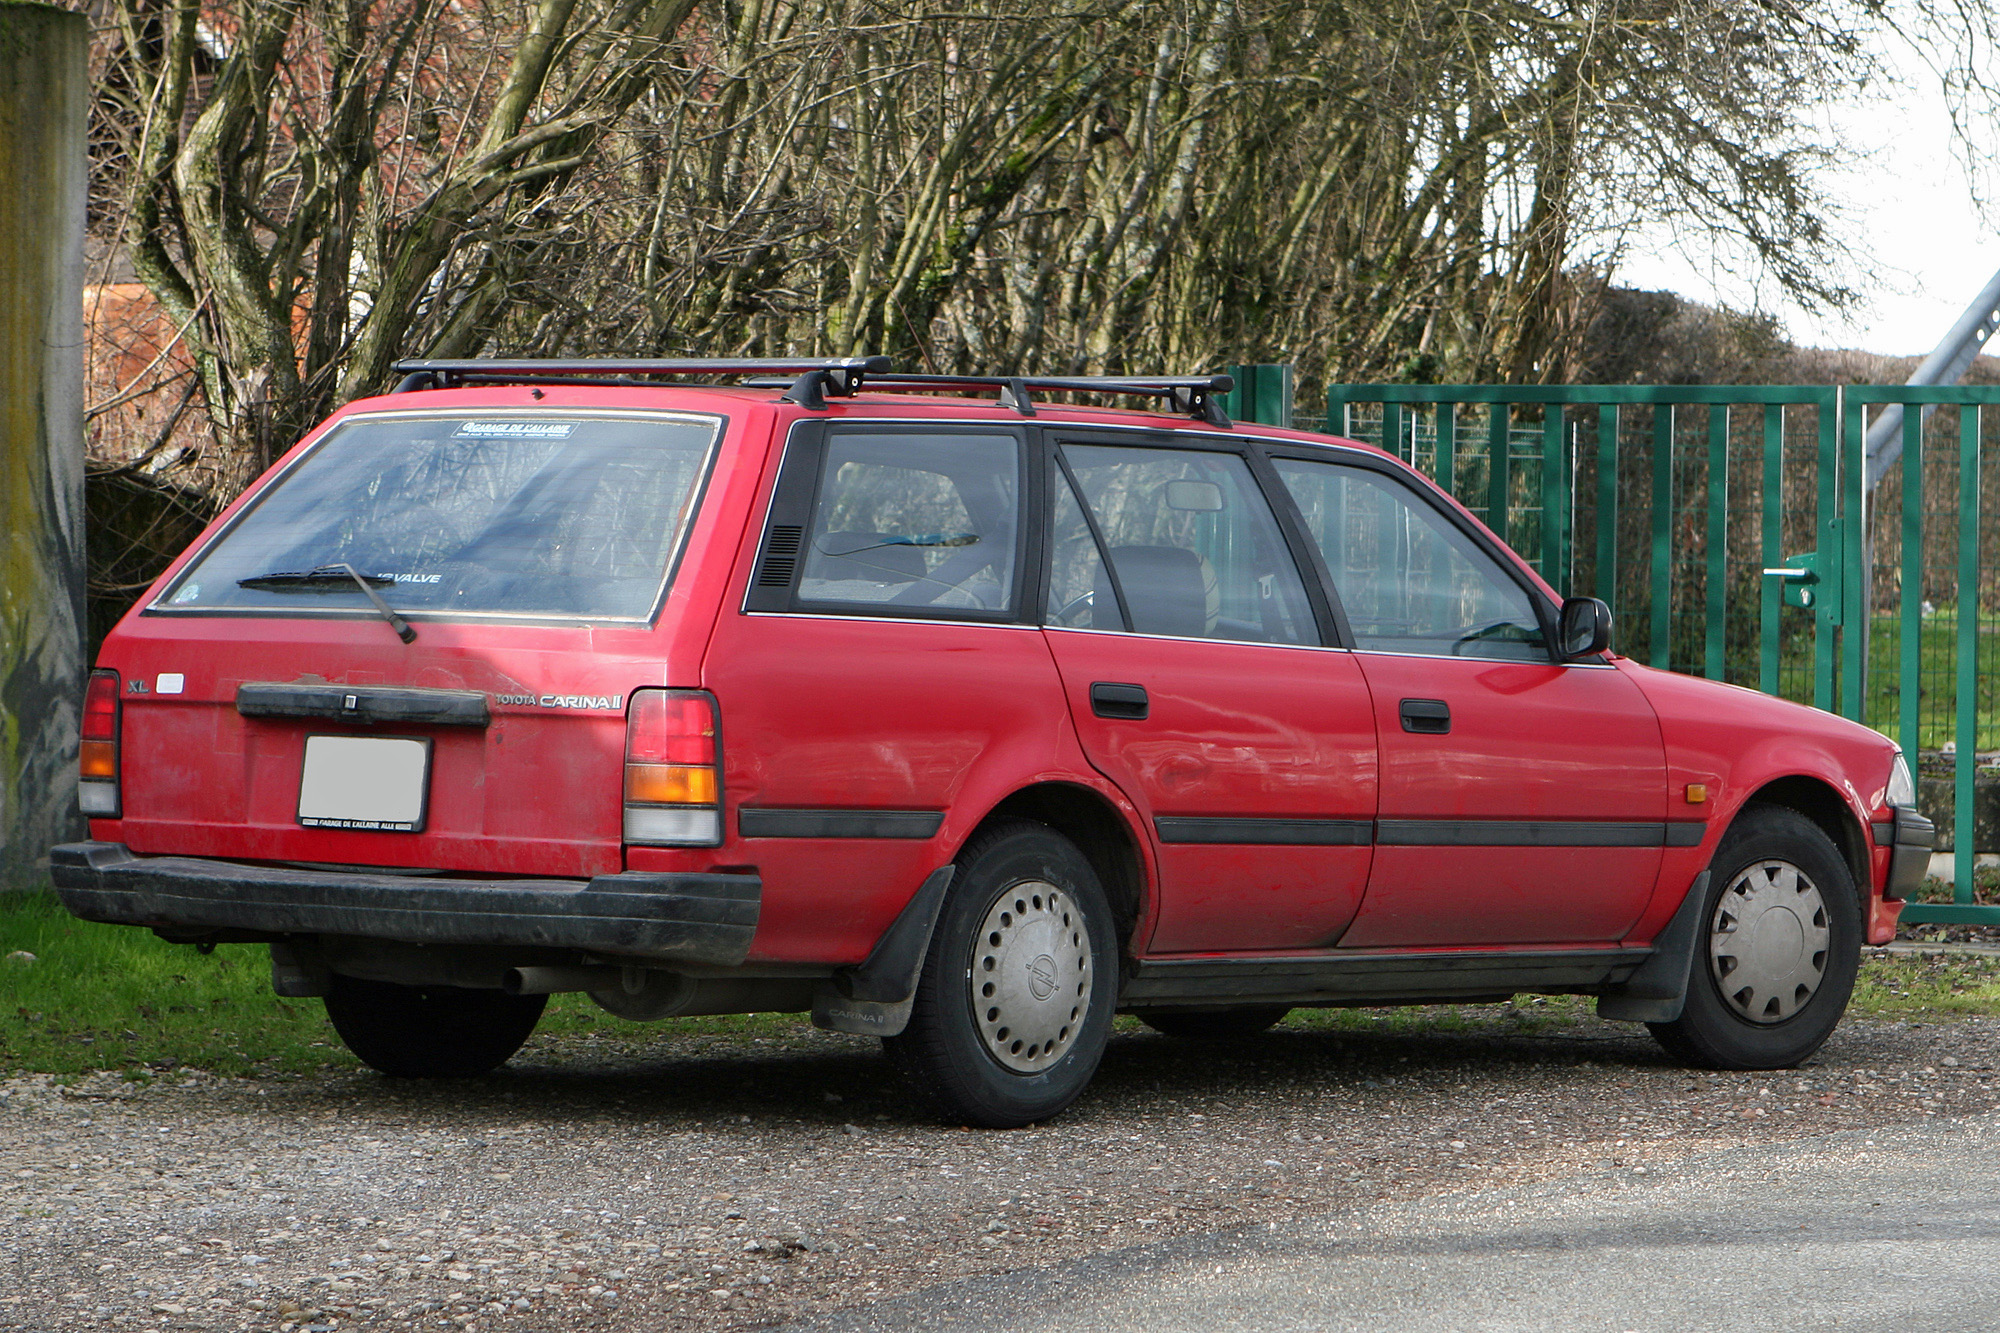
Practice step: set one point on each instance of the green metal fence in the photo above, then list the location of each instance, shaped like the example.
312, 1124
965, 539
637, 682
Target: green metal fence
1729, 529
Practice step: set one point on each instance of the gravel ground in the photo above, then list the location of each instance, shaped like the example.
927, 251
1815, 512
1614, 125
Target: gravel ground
735, 1184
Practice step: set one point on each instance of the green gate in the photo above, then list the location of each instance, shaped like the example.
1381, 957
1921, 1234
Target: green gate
1731, 532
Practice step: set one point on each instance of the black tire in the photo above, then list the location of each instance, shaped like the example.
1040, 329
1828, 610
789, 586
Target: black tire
1776, 951
430, 1031
1015, 1002
1215, 1024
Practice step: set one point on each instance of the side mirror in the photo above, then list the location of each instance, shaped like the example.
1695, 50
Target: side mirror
1584, 628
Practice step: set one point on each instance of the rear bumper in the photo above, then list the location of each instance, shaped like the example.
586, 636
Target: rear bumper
673, 918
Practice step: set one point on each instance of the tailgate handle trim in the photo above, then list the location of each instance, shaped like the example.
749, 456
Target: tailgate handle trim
365, 705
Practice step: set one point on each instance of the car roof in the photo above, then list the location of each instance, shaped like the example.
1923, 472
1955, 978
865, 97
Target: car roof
825, 389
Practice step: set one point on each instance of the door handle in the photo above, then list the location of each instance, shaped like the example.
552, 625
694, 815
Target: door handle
1426, 717
1109, 698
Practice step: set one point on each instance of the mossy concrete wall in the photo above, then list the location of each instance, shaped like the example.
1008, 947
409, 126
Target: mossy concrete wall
43, 86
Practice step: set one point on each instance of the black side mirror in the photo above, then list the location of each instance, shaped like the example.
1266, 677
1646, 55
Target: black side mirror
1584, 628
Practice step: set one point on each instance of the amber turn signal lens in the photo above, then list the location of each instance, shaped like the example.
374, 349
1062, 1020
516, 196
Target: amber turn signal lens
98, 759
669, 784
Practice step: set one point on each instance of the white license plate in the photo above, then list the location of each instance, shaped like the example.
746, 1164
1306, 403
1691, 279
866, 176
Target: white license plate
365, 782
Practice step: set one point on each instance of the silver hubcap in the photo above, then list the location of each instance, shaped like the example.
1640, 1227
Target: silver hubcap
1768, 942
1031, 976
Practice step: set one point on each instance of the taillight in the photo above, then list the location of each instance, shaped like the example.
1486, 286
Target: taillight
97, 752
673, 769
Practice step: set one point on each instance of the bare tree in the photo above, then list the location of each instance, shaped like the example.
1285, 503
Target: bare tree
1366, 188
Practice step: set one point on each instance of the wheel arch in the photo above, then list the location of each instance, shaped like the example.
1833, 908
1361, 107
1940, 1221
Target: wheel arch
1099, 831
1823, 805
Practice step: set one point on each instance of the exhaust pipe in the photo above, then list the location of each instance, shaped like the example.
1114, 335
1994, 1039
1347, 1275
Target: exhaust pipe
560, 980
645, 994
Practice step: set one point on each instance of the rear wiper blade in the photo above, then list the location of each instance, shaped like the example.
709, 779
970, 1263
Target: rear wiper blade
330, 578
327, 578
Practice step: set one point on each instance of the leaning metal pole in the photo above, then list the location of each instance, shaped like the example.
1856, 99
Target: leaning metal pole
1946, 365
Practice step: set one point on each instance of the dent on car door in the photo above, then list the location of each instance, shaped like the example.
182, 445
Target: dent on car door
1190, 656
1522, 800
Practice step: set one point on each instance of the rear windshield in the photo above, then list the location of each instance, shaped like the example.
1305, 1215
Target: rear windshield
572, 515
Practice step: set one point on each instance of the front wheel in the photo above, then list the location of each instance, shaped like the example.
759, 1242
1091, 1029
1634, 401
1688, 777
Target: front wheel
1015, 1002
430, 1031
1780, 943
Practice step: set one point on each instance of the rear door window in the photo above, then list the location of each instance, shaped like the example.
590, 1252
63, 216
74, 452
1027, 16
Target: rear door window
1193, 550
510, 514
914, 523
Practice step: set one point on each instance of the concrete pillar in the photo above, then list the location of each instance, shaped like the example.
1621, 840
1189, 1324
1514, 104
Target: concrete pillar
42, 173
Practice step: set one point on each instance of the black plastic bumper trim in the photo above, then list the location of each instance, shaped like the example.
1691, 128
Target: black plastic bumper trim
1915, 836
753, 823
365, 705
684, 918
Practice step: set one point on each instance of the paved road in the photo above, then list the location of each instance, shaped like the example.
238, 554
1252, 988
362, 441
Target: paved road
1893, 1229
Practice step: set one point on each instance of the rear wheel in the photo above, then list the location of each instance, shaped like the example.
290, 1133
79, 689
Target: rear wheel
1015, 1002
1215, 1024
430, 1031
1780, 943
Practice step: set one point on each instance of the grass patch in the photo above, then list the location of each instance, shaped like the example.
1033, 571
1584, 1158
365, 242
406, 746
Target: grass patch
117, 998
100, 997
1927, 985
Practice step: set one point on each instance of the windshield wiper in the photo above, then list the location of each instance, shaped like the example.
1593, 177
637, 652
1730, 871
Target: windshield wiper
334, 578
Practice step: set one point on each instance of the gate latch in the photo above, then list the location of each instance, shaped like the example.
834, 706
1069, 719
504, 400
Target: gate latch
1801, 575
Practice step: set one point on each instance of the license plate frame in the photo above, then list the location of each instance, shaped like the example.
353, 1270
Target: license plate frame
375, 784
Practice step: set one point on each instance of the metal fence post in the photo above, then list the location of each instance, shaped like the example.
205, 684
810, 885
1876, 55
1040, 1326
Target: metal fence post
1715, 574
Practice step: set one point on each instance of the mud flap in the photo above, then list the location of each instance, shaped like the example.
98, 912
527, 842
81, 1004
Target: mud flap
874, 999
1656, 992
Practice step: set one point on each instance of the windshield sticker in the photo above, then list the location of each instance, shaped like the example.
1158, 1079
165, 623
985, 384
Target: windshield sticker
516, 430
408, 578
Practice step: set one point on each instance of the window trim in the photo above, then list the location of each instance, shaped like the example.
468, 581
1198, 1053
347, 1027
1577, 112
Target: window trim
795, 499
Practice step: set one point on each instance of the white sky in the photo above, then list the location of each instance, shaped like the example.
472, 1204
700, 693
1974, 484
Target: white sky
1912, 215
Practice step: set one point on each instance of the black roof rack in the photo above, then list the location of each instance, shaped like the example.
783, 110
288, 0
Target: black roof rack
1198, 396
809, 380
816, 376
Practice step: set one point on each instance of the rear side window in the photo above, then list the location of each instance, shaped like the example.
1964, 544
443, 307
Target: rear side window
1191, 546
573, 515
914, 523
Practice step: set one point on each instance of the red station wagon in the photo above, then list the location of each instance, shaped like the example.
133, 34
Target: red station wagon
949, 714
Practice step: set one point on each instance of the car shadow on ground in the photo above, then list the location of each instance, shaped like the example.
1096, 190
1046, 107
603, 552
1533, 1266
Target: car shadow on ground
832, 1080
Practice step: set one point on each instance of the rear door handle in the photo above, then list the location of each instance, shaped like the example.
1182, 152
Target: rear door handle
1110, 698
1426, 717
